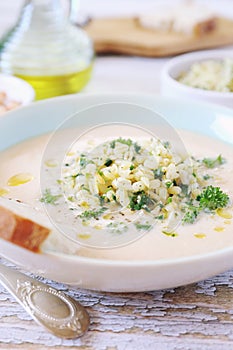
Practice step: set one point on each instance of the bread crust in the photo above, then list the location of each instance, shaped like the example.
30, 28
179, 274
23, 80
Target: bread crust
21, 231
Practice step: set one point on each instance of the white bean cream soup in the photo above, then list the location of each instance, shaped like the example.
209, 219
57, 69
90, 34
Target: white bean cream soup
186, 202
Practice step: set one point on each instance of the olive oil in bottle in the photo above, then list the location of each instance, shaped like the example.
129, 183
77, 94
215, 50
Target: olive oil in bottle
50, 86
47, 51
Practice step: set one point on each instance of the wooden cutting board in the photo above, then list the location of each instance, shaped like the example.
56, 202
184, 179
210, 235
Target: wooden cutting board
126, 36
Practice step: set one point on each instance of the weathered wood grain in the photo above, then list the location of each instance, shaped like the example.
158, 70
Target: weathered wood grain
197, 316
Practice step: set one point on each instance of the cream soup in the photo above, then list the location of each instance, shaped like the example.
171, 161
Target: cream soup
20, 179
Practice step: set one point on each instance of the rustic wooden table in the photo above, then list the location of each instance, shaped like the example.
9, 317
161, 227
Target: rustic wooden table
195, 317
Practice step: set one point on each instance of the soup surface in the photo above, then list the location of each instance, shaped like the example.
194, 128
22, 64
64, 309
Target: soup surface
20, 179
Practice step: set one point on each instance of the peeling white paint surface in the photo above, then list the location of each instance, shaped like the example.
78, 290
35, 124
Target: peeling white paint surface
195, 317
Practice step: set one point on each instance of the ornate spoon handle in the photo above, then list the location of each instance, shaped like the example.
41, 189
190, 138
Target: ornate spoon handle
57, 312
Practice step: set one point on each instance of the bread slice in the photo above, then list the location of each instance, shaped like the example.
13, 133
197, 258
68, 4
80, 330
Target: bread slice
30, 227
22, 231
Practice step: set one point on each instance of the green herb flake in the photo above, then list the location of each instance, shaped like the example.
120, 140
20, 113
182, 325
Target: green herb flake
184, 189
50, 198
140, 200
108, 162
160, 217
127, 142
137, 147
117, 227
83, 161
210, 199
213, 162
169, 184
76, 175
101, 199
206, 177
190, 216
144, 227
113, 144
89, 214
167, 144
158, 173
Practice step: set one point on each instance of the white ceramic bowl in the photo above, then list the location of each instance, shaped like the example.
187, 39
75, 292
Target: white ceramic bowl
107, 274
172, 88
17, 89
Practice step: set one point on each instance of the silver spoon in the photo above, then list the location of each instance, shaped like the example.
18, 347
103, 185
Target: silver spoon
57, 312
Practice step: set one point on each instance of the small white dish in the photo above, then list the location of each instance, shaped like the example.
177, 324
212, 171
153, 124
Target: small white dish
172, 88
16, 89
109, 274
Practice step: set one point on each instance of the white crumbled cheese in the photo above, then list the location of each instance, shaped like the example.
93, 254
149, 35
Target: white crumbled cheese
215, 75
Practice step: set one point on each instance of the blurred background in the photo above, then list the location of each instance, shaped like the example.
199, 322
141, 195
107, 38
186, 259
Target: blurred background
119, 72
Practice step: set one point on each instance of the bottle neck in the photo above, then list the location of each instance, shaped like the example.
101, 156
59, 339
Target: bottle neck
42, 14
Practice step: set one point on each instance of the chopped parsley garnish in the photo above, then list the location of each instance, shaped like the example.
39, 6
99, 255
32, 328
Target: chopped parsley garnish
127, 142
137, 147
206, 177
158, 173
101, 199
140, 200
169, 184
160, 217
95, 213
213, 162
76, 175
144, 227
213, 198
83, 160
108, 162
113, 144
167, 144
184, 189
131, 167
191, 215
50, 198
210, 199
117, 227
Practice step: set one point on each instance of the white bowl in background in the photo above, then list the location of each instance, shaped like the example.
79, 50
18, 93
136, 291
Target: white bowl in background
16, 89
170, 87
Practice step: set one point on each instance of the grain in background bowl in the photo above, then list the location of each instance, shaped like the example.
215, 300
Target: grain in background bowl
172, 88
